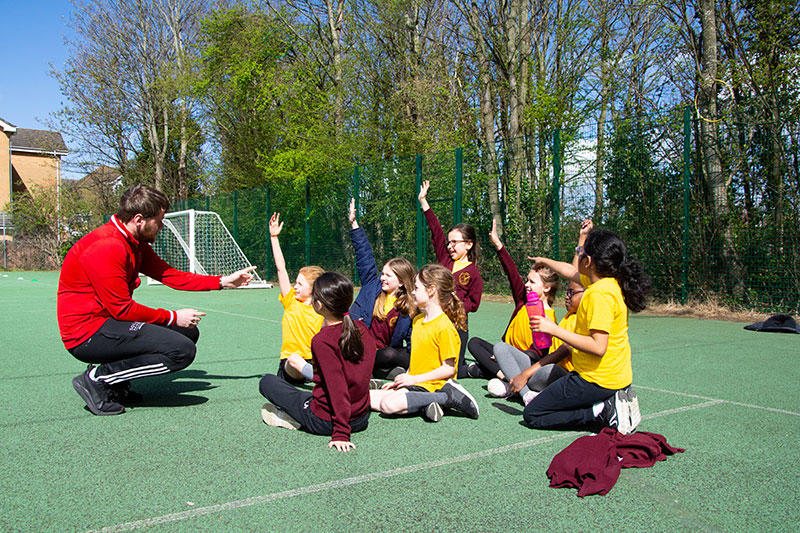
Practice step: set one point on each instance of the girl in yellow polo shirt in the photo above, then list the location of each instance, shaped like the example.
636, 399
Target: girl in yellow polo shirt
597, 393
300, 322
428, 386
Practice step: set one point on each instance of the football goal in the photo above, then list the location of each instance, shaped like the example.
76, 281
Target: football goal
198, 242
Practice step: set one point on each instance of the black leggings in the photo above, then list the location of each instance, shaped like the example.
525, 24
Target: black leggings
131, 350
387, 359
483, 352
297, 403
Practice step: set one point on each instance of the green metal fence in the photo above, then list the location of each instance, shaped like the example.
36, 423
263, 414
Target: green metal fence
653, 192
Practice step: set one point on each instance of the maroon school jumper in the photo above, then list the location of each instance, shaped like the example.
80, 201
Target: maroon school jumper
341, 387
383, 329
98, 277
469, 284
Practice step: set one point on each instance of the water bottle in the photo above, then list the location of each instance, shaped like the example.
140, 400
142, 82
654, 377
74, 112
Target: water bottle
535, 307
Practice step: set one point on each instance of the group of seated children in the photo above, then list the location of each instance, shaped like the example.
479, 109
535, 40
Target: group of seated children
411, 331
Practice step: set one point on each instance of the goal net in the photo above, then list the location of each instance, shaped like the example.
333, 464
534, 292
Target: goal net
198, 242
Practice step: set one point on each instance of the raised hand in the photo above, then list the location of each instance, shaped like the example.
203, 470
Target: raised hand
494, 237
423, 195
352, 214
275, 225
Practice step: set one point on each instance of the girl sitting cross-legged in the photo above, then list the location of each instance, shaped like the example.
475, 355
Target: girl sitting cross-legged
428, 386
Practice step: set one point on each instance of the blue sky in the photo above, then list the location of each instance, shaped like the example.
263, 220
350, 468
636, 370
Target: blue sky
33, 38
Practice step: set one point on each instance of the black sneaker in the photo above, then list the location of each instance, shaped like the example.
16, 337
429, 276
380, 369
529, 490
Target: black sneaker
433, 412
475, 371
608, 416
123, 394
96, 394
459, 399
396, 371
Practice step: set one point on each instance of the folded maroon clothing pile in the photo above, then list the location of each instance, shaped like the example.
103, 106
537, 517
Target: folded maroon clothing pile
592, 463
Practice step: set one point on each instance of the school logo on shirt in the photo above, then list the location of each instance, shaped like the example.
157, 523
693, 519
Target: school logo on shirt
463, 278
392, 321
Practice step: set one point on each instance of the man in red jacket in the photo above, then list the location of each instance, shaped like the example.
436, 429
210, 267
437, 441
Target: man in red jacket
100, 323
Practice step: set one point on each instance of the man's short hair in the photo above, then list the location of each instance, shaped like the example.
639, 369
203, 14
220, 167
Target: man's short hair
143, 199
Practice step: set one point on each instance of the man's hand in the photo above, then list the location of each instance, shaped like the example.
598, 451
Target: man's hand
238, 278
188, 318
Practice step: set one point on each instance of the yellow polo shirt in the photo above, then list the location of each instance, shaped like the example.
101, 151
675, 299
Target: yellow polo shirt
432, 343
299, 325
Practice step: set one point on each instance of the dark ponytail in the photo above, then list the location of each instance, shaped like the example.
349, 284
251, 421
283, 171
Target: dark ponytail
610, 258
334, 293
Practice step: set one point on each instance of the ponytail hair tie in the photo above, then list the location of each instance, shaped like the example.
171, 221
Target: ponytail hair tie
346, 314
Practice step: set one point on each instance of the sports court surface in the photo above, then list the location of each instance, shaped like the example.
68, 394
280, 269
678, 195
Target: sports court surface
196, 456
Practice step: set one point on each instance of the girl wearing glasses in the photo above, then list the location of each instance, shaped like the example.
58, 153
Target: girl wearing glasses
459, 253
597, 392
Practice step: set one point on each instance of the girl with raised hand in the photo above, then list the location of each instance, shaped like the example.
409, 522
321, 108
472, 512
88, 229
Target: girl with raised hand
344, 353
598, 392
459, 253
428, 386
300, 322
518, 336
384, 302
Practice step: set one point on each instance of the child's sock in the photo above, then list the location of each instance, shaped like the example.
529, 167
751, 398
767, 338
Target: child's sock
417, 401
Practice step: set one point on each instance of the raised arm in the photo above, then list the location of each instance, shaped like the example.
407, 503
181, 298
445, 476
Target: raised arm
586, 227
423, 195
565, 270
516, 282
367, 271
275, 227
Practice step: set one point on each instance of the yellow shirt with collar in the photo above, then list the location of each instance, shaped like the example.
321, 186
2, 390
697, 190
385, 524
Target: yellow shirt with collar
298, 326
432, 343
461, 264
603, 308
388, 304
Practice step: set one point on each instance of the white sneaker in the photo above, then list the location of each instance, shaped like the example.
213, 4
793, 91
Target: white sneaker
622, 407
633, 408
498, 388
272, 415
528, 396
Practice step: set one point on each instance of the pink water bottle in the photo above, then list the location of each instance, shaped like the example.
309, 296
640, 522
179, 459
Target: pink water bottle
535, 307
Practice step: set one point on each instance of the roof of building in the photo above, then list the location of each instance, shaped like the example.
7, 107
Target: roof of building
6, 126
103, 173
40, 141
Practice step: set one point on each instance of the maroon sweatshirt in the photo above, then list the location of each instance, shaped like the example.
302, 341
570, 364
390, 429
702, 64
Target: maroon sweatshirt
469, 283
341, 387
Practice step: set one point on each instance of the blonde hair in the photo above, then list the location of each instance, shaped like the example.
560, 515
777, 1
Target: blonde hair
549, 279
311, 273
404, 271
442, 280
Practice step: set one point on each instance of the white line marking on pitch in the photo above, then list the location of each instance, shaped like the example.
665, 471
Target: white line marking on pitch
740, 404
366, 478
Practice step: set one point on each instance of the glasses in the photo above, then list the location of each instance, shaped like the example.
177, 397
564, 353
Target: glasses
454, 242
570, 293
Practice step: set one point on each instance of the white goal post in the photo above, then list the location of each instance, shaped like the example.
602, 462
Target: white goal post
198, 242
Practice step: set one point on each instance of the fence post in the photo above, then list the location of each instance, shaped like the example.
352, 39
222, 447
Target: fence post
356, 196
687, 132
236, 215
208, 203
268, 251
458, 199
307, 251
420, 221
556, 193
